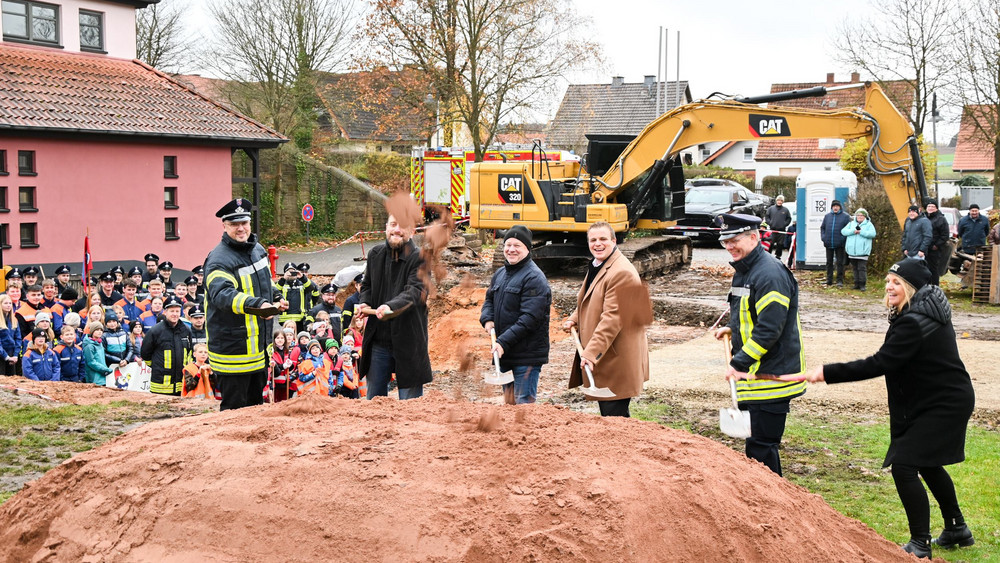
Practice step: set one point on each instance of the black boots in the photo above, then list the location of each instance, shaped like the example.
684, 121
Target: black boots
920, 547
953, 535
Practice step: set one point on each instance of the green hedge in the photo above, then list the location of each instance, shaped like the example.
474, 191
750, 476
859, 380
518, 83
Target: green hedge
773, 185
691, 172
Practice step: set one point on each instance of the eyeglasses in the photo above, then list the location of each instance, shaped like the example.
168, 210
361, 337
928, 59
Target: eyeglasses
732, 241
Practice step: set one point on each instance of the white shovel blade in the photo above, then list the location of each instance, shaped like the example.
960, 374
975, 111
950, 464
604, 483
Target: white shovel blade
599, 392
498, 378
734, 422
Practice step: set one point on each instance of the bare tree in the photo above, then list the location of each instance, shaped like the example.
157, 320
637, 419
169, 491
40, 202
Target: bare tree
161, 40
907, 40
977, 63
270, 52
484, 61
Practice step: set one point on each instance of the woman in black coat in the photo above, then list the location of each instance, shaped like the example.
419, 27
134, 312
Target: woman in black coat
930, 401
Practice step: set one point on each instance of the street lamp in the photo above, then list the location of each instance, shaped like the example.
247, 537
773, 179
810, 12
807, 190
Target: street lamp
935, 117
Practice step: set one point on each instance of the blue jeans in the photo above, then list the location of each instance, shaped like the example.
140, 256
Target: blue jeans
380, 373
525, 386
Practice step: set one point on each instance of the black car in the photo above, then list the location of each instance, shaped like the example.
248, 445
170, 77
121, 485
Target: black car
706, 198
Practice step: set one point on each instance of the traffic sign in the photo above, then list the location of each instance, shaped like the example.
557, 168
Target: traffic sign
308, 213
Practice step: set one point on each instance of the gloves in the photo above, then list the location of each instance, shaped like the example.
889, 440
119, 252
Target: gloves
287, 364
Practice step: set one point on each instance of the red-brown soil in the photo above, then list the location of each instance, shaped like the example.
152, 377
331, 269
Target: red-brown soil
433, 479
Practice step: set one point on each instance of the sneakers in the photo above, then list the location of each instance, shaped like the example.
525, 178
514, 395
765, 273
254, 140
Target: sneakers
958, 535
919, 547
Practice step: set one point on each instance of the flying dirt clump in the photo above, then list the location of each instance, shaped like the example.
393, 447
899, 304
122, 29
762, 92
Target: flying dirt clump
320, 479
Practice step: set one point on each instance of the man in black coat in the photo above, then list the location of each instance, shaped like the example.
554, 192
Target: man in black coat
517, 307
167, 348
940, 233
396, 336
328, 303
778, 218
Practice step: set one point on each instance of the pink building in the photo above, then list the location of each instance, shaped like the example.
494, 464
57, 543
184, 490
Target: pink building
94, 142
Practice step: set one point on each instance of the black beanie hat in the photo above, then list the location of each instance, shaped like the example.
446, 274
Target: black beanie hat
836, 203
913, 208
914, 271
930, 201
521, 233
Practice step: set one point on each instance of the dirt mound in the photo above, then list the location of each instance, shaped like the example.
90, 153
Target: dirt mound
431, 479
89, 394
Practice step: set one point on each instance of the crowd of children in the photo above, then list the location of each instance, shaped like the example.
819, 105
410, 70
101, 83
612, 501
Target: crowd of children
49, 332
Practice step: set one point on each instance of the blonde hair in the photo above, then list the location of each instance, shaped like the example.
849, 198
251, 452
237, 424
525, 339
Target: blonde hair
6, 323
908, 291
198, 346
91, 310
601, 225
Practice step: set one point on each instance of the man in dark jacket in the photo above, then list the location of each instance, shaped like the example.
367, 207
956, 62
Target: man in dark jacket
834, 241
939, 249
764, 322
238, 309
778, 218
328, 303
397, 344
973, 229
916, 234
167, 349
517, 307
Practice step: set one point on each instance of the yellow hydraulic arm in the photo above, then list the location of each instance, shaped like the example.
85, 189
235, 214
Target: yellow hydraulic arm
893, 152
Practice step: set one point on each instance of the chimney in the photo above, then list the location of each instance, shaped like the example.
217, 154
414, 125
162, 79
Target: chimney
649, 81
617, 81
855, 77
829, 78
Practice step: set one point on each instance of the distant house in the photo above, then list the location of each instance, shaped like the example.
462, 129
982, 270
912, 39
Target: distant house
973, 153
93, 141
738, 155
791, 157
618, 108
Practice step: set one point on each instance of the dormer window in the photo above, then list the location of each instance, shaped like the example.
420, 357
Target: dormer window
91, 31
34, 22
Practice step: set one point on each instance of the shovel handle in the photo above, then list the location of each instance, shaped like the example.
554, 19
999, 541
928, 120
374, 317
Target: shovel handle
496, 357
576, 340
367, 311
728, 345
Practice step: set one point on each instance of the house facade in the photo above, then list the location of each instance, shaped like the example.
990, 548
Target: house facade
973, 153
94, 143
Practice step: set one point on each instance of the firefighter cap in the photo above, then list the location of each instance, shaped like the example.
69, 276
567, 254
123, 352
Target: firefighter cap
30, 271
196, 311
63, 269
13, 274
236, 211
107, 277
173, 301
151, 258
118, 270
199, 269
166, 265
328, 288
134, 271
734, 224
190, 280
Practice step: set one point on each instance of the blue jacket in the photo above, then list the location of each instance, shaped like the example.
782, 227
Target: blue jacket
10, 339
518, 302
117, 347
830, 229
859, 245
72, 366
41, 367
96, 366
973, 232
916, 236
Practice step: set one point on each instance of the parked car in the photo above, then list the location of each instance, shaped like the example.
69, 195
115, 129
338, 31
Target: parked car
953, 216
706, 198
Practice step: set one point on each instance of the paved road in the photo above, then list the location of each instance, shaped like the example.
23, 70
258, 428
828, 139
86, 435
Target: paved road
328, 261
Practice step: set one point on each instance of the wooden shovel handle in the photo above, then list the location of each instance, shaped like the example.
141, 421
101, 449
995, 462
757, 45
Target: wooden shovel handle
576, 340
367, 311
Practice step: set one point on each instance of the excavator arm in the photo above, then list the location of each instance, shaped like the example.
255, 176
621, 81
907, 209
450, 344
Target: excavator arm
893, 153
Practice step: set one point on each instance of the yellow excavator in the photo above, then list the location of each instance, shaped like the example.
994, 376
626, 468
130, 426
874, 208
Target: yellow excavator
642, 185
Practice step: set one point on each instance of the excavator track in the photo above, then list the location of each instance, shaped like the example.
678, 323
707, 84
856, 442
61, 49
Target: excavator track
651, 256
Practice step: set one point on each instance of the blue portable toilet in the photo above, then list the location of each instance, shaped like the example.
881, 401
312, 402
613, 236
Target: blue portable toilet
814, 193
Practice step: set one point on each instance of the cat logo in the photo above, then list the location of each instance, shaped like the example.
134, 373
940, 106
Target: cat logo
768, 126
510, 183
510, 189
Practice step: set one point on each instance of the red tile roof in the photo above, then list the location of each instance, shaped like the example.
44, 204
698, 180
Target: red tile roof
45, 90
898, 91
972, 153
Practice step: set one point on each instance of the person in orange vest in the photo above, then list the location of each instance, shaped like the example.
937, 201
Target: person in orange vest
348, 381
284, 359
198, 375
31, 305
315, 371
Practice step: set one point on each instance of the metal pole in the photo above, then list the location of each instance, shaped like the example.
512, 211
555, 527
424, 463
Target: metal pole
677, 69
934, 120
659, 65
666, 64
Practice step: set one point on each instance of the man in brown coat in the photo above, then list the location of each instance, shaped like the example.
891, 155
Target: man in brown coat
612, 323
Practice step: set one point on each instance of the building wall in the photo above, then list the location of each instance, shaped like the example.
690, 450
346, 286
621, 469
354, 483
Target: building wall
119, 26
733, 158
116, 191
773, 167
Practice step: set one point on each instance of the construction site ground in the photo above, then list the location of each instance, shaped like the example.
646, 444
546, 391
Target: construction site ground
456, 476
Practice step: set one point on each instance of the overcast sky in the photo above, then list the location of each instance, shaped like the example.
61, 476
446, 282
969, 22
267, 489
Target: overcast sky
729, 46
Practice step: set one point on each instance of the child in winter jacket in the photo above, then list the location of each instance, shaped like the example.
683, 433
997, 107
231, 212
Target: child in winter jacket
43, 320
284, 360
10, 337
40, 363
347, 375
315, 371
93, 354
71, 364
198, 375
117, 350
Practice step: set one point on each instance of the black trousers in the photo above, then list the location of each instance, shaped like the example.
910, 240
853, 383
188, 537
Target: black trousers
838, 256
617, 407
767, 426
242, 389
860, 267
914, 497
934, 259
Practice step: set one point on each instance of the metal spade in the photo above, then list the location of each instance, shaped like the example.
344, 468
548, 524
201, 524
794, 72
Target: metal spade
498, 378
593, 390
732, 421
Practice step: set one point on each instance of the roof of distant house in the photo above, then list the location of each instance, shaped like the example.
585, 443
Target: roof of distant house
375, 106
899, 91
618, 108
972, 152
73, 93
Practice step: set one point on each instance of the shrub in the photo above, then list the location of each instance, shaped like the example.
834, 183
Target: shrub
697, 171
773, 185
973, 180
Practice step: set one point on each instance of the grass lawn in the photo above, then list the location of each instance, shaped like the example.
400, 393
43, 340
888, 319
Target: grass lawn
838, 455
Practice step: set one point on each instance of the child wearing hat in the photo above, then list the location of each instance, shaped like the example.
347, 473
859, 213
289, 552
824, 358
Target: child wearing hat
116, 343
40, 363
315, 371
347, 374
43, 321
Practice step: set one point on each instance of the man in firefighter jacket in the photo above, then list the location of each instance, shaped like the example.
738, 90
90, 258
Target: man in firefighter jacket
238, 309
167, 348
764, 318
293, 289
